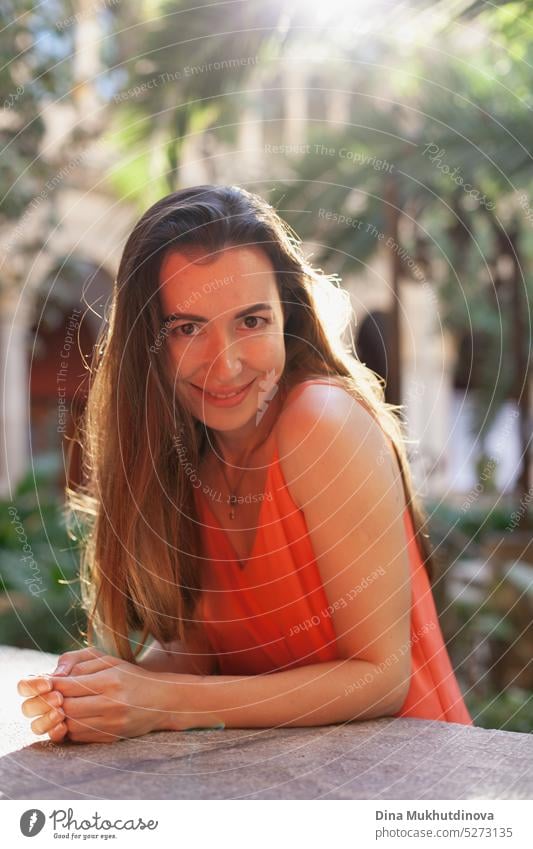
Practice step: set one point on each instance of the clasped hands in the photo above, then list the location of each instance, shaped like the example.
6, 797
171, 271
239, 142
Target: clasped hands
92, 697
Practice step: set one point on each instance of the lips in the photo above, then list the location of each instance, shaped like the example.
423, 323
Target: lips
227, 393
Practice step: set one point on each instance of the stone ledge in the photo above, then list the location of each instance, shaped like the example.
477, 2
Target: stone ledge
379, 759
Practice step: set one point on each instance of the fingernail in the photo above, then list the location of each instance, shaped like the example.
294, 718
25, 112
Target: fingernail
43, 686
60, 669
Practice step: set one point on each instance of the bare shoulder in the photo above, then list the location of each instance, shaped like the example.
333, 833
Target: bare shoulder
322, 428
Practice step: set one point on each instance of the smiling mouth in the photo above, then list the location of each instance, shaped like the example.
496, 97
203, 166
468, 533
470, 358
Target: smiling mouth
223, 395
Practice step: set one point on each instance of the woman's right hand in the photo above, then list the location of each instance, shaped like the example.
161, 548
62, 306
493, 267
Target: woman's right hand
46, 706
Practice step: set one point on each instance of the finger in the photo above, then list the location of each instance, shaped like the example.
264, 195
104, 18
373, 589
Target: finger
69, 659
58, 732
89, 727
92, 737
87, 667
84, 706
39, 705
44, 723
34, 686
72, 686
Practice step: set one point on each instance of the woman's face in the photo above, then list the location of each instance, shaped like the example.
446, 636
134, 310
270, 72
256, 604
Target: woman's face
223, 333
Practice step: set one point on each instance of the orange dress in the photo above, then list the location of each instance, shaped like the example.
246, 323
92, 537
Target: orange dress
271, 614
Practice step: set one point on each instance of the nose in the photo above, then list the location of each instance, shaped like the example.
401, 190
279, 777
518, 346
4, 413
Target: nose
224, 359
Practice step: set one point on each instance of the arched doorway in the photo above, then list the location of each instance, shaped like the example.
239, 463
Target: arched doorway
67, 319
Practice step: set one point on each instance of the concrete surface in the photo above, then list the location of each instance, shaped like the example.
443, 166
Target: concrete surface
379, 759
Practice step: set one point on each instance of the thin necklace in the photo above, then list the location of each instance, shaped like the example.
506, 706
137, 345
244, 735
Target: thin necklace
233, 492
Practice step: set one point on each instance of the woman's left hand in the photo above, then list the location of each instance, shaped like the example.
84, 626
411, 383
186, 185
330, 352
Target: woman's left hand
104, 699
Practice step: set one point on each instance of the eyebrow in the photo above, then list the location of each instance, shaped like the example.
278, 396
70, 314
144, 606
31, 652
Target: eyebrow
253, 308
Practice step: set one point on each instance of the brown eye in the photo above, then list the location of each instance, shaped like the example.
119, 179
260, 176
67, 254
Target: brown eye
255, 318
180, 327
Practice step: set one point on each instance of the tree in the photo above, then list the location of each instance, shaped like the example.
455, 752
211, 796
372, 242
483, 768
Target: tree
446, 153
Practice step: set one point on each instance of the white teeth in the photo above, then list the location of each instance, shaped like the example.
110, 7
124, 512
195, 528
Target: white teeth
225, 396
212, 394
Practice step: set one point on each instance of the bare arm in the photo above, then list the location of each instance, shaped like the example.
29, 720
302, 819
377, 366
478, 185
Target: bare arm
317, 694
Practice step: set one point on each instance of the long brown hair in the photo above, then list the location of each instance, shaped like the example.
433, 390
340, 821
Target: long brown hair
134, 511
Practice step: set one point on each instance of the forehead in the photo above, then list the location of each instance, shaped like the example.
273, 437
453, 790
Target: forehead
231, 276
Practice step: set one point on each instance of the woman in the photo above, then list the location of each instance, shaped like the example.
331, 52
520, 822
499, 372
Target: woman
248, 501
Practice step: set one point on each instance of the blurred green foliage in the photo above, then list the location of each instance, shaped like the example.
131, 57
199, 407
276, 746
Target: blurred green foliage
511, 710
39, 602
460, 529
488, 624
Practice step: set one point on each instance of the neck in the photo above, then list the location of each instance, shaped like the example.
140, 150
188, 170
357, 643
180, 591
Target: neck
233, 446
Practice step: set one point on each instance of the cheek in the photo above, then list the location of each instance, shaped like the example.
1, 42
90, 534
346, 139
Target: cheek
182, 358
271, 346
262, 346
